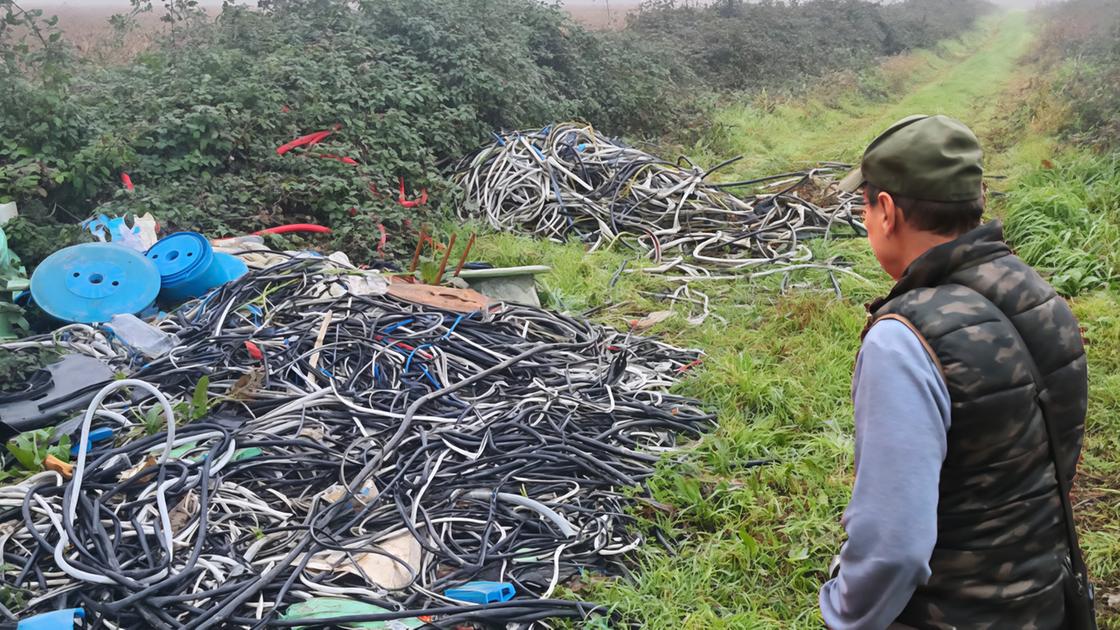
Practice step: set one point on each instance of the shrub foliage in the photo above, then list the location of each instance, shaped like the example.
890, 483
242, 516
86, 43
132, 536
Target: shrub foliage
1084, 37
746, 44
403, 85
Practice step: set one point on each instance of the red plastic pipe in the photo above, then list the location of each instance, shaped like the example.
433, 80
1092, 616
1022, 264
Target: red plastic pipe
302, 141
412, 203
294, 227
338, 158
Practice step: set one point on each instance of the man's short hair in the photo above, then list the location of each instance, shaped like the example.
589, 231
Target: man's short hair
947, 218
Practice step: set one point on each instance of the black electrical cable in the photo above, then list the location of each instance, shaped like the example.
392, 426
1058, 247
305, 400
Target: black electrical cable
492, 445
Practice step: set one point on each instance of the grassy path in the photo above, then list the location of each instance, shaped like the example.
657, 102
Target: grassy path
961, 80
751, 544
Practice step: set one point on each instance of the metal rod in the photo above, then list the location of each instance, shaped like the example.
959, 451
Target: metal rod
463, 258
443, 263
419, 246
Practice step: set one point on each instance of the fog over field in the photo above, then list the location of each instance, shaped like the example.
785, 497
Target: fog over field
612, 4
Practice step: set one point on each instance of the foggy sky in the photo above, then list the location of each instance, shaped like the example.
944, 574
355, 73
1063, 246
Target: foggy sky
615, 4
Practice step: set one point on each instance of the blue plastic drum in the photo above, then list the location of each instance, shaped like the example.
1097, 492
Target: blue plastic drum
190, 268
90, 283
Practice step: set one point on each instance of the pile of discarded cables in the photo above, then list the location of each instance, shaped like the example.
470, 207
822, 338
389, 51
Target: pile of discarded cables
352, 447
568, 181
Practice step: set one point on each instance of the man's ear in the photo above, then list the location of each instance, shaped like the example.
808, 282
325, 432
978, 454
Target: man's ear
892, 215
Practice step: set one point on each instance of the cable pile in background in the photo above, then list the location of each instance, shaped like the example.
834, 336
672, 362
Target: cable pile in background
349, 445
567, 181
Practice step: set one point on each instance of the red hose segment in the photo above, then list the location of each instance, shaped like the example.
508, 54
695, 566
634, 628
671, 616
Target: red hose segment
294, 227
309, 139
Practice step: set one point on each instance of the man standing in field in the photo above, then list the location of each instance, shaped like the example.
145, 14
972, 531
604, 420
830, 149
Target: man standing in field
970, 393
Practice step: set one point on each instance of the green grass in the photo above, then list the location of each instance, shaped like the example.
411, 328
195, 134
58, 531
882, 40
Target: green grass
1064, 218
959, 79
751, 545
1065, 221
753, 542
1097, 502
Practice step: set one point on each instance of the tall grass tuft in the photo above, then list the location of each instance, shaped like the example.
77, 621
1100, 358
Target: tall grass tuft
1065, 221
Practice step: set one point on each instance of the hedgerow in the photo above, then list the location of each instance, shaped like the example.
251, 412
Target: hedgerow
404, 87
402, 84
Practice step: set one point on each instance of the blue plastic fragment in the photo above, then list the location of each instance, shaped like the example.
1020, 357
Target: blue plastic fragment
482, 592
54, 620
99, 434
108, 229
391, 327
231, 265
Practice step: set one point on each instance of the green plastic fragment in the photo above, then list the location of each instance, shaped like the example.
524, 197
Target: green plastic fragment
13, 278
324, 608
183, 450
246, 453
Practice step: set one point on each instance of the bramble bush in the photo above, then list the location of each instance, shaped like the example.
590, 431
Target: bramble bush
405, 85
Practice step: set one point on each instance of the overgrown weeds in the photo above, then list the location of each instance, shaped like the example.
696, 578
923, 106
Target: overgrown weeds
1082, 40
747, 46
1064, 219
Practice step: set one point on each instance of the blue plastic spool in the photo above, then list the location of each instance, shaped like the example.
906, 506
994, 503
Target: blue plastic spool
189, 267
90, 283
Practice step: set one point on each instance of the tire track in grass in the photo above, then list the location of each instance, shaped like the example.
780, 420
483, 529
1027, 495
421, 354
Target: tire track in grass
964, 81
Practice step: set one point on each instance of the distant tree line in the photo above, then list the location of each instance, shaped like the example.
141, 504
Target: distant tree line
745, 45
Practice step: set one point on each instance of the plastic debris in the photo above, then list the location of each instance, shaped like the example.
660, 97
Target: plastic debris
8, 211
148, 233
91, 282
62, 387
423, 448
66, 469
142, 336
377, 568
189, 266
139, 236
651, 320
100, 434
570, 181
325, 608
55, 620
482, 592
516, 285
445, 298
294, 228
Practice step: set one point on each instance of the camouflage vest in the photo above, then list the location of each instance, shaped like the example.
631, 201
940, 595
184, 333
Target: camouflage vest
984, 315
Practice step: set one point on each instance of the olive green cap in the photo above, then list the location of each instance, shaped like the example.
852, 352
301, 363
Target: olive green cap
929, 158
